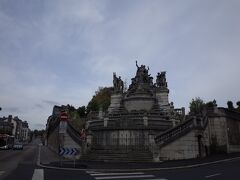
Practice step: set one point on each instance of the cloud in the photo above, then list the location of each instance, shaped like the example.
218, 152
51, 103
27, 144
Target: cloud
60, 52
38, 126
50, 102
12, 110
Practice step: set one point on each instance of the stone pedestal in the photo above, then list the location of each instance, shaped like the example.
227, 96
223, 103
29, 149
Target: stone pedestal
162, 98
145, 121
115, 102
105, 122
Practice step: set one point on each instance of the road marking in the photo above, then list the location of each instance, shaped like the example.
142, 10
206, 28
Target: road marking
38, 174
144, 169
125, 177
112, 174
2, 172
91, 172
213, 175
122, 175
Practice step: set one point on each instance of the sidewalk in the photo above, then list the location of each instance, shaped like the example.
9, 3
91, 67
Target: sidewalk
47, 156
50, 158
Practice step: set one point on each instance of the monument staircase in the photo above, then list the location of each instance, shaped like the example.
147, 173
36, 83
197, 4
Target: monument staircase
74, 134
71, 131
118, 155
156, 118
71, 136
193, 122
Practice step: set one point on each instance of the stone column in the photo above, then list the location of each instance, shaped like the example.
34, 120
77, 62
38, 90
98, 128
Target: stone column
105, 122
100, 113
162, 98
115, 102
145, 121
89, 141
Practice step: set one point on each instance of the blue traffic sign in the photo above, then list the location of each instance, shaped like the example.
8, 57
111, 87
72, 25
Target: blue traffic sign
68, 151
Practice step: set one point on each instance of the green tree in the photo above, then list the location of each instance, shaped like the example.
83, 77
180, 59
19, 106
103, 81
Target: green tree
211, 104
71, 108
76, 121
230, 105
82, 111
196, 106
101, 98
238, 104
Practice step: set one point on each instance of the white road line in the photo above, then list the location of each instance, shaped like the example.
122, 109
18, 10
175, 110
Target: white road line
126, 177
112, 174
92, 172
217, 174
38, 174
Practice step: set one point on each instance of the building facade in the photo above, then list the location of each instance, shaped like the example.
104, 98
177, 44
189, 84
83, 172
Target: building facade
15, 127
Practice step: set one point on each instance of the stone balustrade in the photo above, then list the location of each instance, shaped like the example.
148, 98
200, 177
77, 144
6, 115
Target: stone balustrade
181, 129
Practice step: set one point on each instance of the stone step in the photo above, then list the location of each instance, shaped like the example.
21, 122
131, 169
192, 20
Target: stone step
118, 155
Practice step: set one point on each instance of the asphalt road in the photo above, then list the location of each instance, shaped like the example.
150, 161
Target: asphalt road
21, 165
14, 162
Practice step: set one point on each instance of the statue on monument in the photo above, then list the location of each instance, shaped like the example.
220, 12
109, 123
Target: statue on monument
142, 74
117, 83
161, 79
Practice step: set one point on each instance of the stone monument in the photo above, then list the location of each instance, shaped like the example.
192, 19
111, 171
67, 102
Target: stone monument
133, 118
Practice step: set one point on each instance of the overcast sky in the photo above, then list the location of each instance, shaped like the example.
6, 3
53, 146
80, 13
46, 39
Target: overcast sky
61, 51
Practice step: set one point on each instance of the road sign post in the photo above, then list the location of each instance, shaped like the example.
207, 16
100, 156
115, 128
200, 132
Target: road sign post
63, 122
62, 131
69, 152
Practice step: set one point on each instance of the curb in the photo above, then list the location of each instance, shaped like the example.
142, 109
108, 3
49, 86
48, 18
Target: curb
130, 170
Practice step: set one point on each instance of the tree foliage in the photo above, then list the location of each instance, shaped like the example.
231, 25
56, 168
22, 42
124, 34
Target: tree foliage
82, 111
230, 105
196, 106
211, 104
77, 121
101, 98
238, 104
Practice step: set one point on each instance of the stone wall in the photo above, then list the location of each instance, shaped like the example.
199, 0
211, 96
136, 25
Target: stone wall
139, 104
136, 139
64, 140
185, 147
70, 143
218, 134
233, 129
233, 132
53, 140
225, 130
221, 135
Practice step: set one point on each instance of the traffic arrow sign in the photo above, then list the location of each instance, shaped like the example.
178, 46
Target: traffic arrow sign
68, 151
